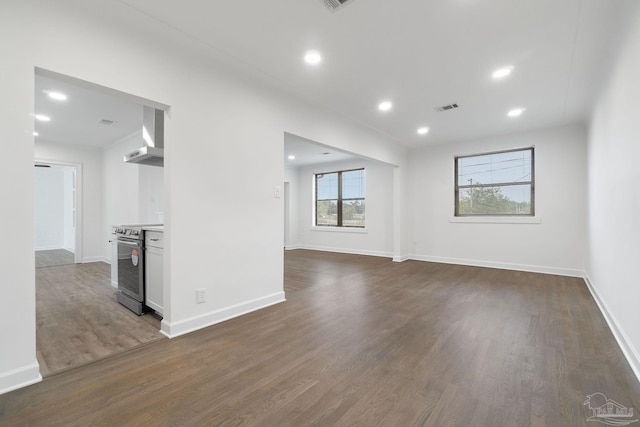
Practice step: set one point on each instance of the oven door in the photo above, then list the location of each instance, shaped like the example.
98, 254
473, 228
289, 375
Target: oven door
130, 268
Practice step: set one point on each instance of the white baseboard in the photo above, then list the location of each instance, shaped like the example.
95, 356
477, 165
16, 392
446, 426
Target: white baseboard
402, 258
501, 265
348, 251
89, 259
175, 329
19, 378
628, 349
48, 248
293, 247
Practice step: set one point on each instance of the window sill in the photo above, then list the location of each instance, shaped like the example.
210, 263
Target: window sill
340, 229
496, 219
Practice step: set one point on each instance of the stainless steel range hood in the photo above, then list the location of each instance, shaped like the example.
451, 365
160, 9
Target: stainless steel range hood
152, 153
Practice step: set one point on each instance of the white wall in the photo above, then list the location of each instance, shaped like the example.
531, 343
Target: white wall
121, 183
49, 208
555, 245
220, 215
18, 365
377, 237
91, 178
614, 198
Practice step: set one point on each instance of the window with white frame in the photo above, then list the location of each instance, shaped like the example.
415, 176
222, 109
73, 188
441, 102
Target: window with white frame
339, 199
500, 183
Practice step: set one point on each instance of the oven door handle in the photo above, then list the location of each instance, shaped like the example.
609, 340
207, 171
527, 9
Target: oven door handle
126, 243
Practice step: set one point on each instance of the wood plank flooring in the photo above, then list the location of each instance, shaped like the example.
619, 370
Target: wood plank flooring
53, 257
78, 319
361, 341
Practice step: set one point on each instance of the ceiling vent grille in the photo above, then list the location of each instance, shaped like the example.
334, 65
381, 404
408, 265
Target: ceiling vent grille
335, 4
446, 107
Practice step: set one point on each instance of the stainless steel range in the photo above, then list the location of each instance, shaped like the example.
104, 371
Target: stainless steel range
130, 266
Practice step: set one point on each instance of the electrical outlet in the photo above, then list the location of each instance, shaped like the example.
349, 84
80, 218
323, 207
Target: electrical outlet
201, 296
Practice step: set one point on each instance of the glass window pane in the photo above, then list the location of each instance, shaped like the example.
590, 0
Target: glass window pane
353, 184
327, 186
499, 200
340, 199
513, 166
353, 213
327, 212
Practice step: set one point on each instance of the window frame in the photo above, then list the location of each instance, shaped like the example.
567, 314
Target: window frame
457, 187
340, 200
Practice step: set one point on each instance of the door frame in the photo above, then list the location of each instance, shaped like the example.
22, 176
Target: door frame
287, 206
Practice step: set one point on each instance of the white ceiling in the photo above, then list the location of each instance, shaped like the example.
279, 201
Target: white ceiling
307, 152
418, 54
76, 121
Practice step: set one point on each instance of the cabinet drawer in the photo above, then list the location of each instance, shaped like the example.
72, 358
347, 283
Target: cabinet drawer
154, 239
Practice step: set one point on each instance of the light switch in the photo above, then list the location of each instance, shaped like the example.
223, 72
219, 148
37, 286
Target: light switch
276, 192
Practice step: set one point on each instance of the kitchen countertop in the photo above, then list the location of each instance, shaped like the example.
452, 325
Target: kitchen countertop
159, 228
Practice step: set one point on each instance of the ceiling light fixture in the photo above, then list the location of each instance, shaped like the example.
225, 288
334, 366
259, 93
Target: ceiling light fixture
291, 157
502, 72
312, 57
43, 118
36, 134
385, 106
515, 112
423, 130
58, 96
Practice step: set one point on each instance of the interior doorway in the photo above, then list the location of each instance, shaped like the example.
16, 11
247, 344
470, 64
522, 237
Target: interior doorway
82, 187
57, 236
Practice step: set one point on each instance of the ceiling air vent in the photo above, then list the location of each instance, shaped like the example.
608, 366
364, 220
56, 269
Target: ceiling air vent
106, 122
446, 107
335, 4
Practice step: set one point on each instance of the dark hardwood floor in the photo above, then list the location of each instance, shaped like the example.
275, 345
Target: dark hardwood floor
78, 319
361, 341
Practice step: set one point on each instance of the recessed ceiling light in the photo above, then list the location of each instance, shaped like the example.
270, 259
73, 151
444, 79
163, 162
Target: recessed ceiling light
312, 57
515, 112
385, 106
36, 134
423, 130
43, 118
291, 157
502, 72
58, 96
